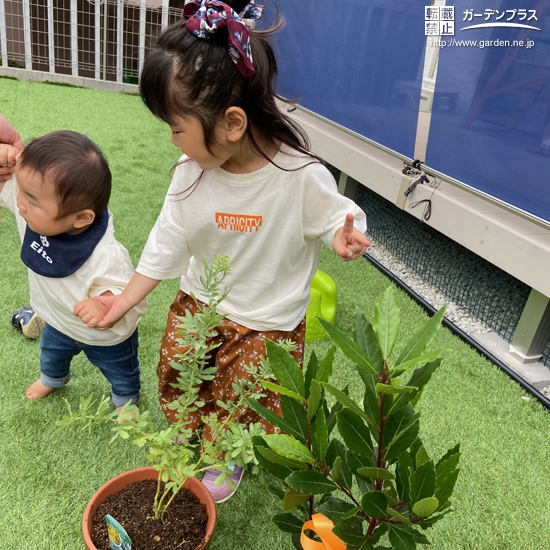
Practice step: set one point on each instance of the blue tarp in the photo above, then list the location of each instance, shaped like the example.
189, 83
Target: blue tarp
355, 63
492, 117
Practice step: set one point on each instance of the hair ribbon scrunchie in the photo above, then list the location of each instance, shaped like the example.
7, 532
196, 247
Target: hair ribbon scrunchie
207, 17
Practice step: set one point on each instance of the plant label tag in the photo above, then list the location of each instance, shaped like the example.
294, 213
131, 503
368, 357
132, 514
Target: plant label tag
118, 537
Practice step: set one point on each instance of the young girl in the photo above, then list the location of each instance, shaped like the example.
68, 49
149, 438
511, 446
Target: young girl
246, 187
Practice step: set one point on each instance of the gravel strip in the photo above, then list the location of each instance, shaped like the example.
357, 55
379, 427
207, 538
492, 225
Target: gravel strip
455, 312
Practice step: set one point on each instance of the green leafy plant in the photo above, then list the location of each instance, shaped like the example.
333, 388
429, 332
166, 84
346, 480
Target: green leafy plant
375, 478
170, 450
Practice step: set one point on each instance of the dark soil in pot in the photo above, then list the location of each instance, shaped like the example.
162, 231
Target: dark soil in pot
183, 526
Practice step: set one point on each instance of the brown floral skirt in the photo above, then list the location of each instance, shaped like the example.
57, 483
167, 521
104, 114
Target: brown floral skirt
239, 346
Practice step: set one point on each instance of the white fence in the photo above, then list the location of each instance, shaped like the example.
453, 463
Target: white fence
97, 39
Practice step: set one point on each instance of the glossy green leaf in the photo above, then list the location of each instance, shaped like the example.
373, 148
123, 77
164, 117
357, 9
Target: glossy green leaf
358, 461
271, 386
400, 430
295, 414
350, 534
319, 437
331, 416
335, 449
419, 341
274, 419
346, 401
389, 490
288, 523
346, 475
421, 456
375, 504
447, 471
376, 473
445, 486
293, 498
428, 522
335, 509
310, 482
449, 461
414, 448
348, 346
378, 533
401, 539
390, 389
325, 367
423, 482
336, 469
419, 378
367, 341
404, 465
402, 536
311, 372
370, 398
398, 370
387, 322
315, 397
354, 512
289, 447
285, 368
426, 507
396, 515
272, 456
355, 433
279, 471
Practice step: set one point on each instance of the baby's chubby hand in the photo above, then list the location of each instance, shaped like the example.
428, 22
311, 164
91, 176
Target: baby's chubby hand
349, 243
90, 311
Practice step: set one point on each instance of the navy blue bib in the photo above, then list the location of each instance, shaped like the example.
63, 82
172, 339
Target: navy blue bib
61, 255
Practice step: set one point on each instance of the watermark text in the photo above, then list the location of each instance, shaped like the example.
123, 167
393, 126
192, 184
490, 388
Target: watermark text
453, 42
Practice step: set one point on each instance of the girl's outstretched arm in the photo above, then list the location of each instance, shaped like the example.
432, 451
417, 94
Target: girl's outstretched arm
118, 305
349, 243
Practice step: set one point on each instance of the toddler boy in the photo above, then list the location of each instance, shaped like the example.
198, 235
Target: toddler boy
59, 195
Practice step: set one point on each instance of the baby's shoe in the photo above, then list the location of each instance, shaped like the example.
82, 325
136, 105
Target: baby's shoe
223, 492
25, 320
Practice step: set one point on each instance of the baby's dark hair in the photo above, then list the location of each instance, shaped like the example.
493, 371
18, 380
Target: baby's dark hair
188, 76
75, 166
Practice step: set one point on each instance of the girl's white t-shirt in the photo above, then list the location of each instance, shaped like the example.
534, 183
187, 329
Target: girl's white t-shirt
270, 223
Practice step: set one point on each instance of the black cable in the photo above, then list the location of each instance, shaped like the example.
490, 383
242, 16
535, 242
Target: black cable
461, 334
427, 209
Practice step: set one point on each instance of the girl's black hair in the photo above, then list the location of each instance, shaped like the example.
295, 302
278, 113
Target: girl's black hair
188, 76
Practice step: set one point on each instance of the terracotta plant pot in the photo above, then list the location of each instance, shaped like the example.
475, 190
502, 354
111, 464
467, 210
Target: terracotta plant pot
140, 474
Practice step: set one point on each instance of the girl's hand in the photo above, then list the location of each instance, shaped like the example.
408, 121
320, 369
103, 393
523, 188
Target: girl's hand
116, 308
90, 311
119, 305
99, 311
349, 243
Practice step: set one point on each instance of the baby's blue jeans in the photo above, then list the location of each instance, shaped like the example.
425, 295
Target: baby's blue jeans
118, 363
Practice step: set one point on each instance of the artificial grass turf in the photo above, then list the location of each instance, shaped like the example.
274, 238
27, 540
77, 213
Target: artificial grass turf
47, 479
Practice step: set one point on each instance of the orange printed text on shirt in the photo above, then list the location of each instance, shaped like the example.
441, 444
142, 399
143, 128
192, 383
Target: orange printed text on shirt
242, 223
